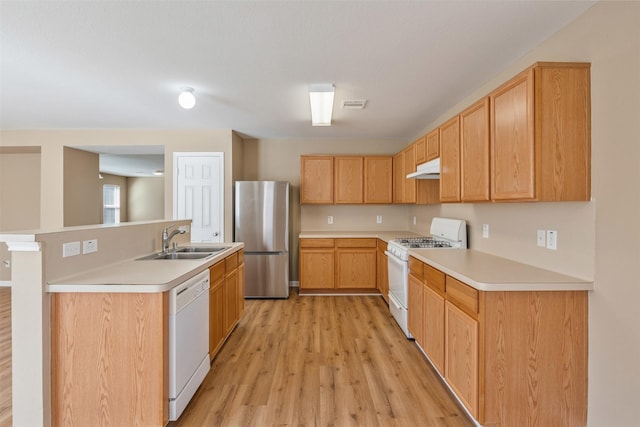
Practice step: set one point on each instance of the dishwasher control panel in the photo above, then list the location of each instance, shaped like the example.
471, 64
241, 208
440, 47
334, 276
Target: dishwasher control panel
183, 294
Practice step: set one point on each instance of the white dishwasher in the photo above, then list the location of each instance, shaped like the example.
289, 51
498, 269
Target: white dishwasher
188, 341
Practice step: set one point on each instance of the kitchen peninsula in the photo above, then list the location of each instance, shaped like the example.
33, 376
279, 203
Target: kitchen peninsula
98, 323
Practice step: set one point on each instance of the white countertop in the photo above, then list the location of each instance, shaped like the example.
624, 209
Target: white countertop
487, 272
145, 276
480, 270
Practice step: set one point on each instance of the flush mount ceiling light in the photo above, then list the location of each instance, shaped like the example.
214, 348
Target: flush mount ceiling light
157, 173
186, 99
321, 98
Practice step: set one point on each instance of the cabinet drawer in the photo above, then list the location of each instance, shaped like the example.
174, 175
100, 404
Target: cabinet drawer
382, 245
463, 296
435, 279
216, 272
356, 243
316, 243
416, 267
231, 262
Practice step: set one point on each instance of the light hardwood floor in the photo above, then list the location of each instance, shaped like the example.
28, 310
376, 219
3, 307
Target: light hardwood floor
5, 357
321, 361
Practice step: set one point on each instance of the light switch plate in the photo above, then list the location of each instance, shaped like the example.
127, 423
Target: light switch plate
90, 246
70, 249
485, 231
379, 219
414, 220
552, 240
540, 238
329, 219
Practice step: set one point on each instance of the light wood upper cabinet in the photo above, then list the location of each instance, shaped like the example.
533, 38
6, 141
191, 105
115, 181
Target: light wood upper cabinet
378, 179
398, 178
409, 162
348, 183
450, 161
421, 150
433, 145
474, 152
541, 134
316, 179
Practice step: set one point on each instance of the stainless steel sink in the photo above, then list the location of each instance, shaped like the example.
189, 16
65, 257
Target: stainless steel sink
176, 255
209, 249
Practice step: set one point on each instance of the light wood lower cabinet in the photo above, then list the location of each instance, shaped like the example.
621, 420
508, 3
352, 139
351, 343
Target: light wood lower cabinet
338, 264
433, 328
226, 299
512, 358
217, 332
461, 356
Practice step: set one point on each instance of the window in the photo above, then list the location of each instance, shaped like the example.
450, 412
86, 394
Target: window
111, 204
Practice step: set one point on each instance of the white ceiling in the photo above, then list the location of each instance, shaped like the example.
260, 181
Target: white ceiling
120, 64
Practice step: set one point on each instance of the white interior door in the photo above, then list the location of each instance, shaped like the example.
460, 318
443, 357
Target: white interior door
199, 194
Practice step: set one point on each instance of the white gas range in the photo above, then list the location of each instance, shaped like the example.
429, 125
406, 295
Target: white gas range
445, 233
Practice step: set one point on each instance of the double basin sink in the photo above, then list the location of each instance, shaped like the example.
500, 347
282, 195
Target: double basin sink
187, 252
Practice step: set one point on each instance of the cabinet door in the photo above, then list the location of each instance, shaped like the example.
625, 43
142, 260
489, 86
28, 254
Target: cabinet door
474, 152
348, 181
415, 320
409, 161
450, 161
240, 290
216, 308
421, 150
356, 268
217, 330
398, 178
461, 356
433, 144
378, 179
512, 139
316, 179
230, 296
317, 268
383, 271
433, 328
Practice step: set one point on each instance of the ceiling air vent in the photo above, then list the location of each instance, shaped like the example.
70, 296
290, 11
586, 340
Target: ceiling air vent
354, 104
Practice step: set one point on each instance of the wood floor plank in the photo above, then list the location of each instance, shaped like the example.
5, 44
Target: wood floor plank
321, 361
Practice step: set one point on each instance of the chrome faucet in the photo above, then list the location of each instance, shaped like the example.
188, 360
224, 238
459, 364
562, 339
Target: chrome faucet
166, 236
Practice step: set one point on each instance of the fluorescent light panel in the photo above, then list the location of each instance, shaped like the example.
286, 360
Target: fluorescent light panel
321, 98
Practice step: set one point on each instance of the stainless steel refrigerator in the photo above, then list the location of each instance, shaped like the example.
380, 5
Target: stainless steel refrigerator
262, 223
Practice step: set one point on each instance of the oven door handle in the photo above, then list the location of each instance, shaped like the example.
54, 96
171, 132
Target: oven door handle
394, 258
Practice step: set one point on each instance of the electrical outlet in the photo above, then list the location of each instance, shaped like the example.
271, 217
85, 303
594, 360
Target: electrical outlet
90, 246
70, 249
379, 219
329, 219
540, 238
552, 240
485, 231
414, 220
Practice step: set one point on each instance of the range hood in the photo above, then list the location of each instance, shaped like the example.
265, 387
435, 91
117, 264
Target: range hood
428, 170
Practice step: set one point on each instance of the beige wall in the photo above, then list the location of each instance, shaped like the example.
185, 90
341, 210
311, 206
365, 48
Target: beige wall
19, 195
279, 160
82, 190
123, 183
52, 143
598, 239
145, 198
